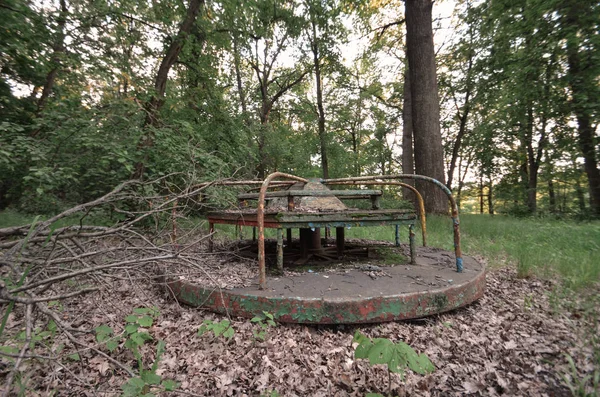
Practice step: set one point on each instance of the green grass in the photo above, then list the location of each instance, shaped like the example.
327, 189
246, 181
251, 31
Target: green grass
9, 218
542, 247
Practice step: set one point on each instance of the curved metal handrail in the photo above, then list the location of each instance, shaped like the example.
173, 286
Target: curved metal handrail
420, 202
260, 219
455, 219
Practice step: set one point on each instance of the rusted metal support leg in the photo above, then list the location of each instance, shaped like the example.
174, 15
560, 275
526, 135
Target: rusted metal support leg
254, 233
413, 248
339, 241
211, 232
304, 242
240, 234
397, 236
289, 237
280, 250
315, 239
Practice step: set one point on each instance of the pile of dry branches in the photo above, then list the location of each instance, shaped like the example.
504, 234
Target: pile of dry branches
42, 264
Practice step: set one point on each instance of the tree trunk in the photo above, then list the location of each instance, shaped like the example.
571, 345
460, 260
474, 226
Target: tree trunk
481, 194
408, 165
153, 106
462, 128
490, 197
551, 196
58, 52
428, 150
581, 102
319, 85
238, 77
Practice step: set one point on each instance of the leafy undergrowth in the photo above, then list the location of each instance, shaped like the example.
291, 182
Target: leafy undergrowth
517, 340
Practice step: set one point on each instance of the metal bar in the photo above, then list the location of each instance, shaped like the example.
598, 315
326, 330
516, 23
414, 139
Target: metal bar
339, 241
455, 218
411, 242
345, 194
397, 239
420, 202
260, 218
289, 237
253, 233
280, 250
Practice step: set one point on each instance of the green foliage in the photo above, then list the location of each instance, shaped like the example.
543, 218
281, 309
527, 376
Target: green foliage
218, 328
396, 356
264, 321
133, 338
586, 386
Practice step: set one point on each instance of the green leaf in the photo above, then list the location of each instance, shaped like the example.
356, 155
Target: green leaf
141, 310
74, 357
421, 364
256, 319
103, 332
145, 321
131, 328
362, 350
359, 337
133, 387
131, 318
170, 385
229, 333
381, 351
112, 345
151, 378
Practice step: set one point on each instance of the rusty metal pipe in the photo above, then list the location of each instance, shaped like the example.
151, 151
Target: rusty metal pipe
454, 207
260, 220
420, 201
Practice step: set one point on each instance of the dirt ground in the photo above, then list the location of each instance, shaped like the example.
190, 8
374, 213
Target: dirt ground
514, 341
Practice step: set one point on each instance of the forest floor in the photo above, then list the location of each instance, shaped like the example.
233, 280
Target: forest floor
517, 340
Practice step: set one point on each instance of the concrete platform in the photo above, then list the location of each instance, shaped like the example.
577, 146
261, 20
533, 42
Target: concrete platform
347, 296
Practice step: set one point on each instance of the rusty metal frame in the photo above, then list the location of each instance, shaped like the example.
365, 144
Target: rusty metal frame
381, 179
260, 219
454, 207
420, 202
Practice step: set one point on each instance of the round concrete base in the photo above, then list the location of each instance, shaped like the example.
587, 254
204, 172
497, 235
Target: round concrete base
361, 295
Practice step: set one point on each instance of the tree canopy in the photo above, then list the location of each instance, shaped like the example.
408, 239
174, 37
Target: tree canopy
93, 93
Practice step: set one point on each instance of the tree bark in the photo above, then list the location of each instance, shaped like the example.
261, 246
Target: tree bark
238, 76
408, 165
551, 196
428, 150
321, 121
58, 52
490, 197
581, 101
153, 105
462, 128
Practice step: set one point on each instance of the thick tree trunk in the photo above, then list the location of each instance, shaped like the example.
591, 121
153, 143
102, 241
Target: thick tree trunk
408, 165
428, 150
153, 106
581, 102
